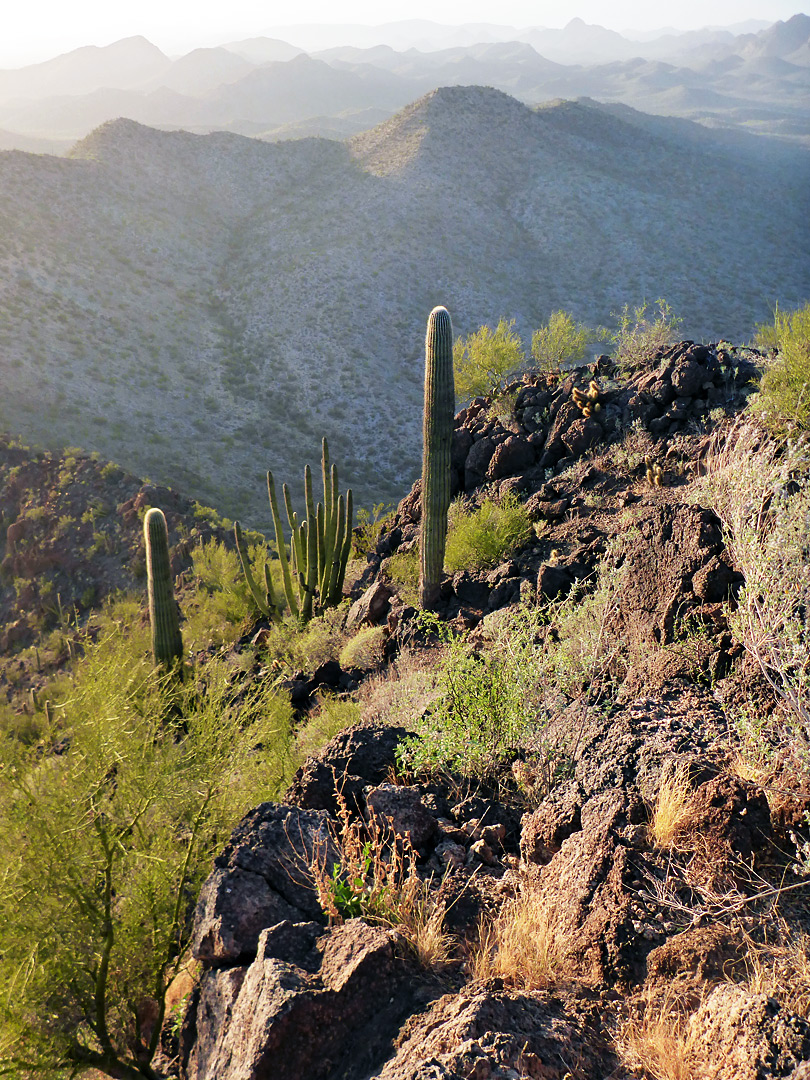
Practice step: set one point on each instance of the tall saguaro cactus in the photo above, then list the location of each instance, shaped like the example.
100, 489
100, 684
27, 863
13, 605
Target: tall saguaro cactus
437, 443
167, 641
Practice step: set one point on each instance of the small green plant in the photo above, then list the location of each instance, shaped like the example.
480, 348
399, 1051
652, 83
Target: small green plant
484, 359
485, 536
561, 342
365, 650
402, 570
641, 332
784, 394
366, 532
483, 709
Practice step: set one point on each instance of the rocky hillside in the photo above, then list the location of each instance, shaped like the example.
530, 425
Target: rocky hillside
202, 308
71, 539
619, 896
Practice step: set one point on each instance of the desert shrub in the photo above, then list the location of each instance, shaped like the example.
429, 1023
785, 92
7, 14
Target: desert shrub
403, 571
332, 716
483, 537
483, 708
296, 646
110, 825
641, 332
560, 342
364, 650
218, 602
482, 360
760, 489
366, 532
784, 394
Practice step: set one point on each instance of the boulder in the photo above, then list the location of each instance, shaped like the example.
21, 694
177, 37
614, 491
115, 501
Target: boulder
372, 607
277, 1019
262, 877
511, 457
477, 462
354, 758
737, 1035
401, 810
487, 1032
582, 435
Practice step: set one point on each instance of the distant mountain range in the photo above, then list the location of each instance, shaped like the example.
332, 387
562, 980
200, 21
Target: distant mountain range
267, 87
202, 307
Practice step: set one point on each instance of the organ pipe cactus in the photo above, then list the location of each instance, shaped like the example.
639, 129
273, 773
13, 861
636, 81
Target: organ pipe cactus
164, 618
436, 447
313, 573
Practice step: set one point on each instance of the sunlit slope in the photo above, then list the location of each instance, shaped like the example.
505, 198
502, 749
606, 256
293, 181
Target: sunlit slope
200, 308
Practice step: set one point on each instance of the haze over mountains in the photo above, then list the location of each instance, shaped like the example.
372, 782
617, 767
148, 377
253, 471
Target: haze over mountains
201, 308
271, 88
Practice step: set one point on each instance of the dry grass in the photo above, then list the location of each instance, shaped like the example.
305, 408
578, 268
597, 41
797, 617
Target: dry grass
519, 946
403, 690
670, 807
656, 1043
376, 879
782, 970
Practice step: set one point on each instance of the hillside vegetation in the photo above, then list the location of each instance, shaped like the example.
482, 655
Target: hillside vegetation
558, 827
201, 308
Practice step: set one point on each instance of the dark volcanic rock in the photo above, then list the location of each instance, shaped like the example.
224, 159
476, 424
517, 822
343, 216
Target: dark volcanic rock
482, 1033
354, 758
587, 895
262, 877
512, 456
401, 810
736, 1035
275, 1019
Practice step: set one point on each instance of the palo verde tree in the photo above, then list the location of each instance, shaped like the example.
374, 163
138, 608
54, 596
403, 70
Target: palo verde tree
110, 824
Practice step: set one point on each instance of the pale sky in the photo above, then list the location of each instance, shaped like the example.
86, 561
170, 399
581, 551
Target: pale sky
39, 29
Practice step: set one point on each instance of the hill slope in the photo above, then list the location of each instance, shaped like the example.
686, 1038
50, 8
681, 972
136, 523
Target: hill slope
203, 308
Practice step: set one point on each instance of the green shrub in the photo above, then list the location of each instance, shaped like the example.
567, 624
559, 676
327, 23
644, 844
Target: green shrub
761, 492
483, 537
110, 825
560, 342
365, 650
784, 394
402, 570
641, 332
483, 710
482, 360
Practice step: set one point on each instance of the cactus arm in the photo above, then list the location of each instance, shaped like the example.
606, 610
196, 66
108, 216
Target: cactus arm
347, 548
437, 441
260, 601
286, 578
167, 641
334, 565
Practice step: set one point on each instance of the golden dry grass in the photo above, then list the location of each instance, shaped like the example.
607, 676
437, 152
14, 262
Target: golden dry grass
782, 970
518, 946
670, 807
655, 1043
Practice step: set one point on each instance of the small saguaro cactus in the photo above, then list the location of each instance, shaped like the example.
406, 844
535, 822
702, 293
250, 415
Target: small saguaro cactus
164, 618
436, 446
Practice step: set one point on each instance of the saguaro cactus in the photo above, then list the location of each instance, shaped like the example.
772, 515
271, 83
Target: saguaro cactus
167, 641
437, 442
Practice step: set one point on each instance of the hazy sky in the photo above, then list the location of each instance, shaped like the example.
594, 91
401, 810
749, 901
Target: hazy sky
33, 30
